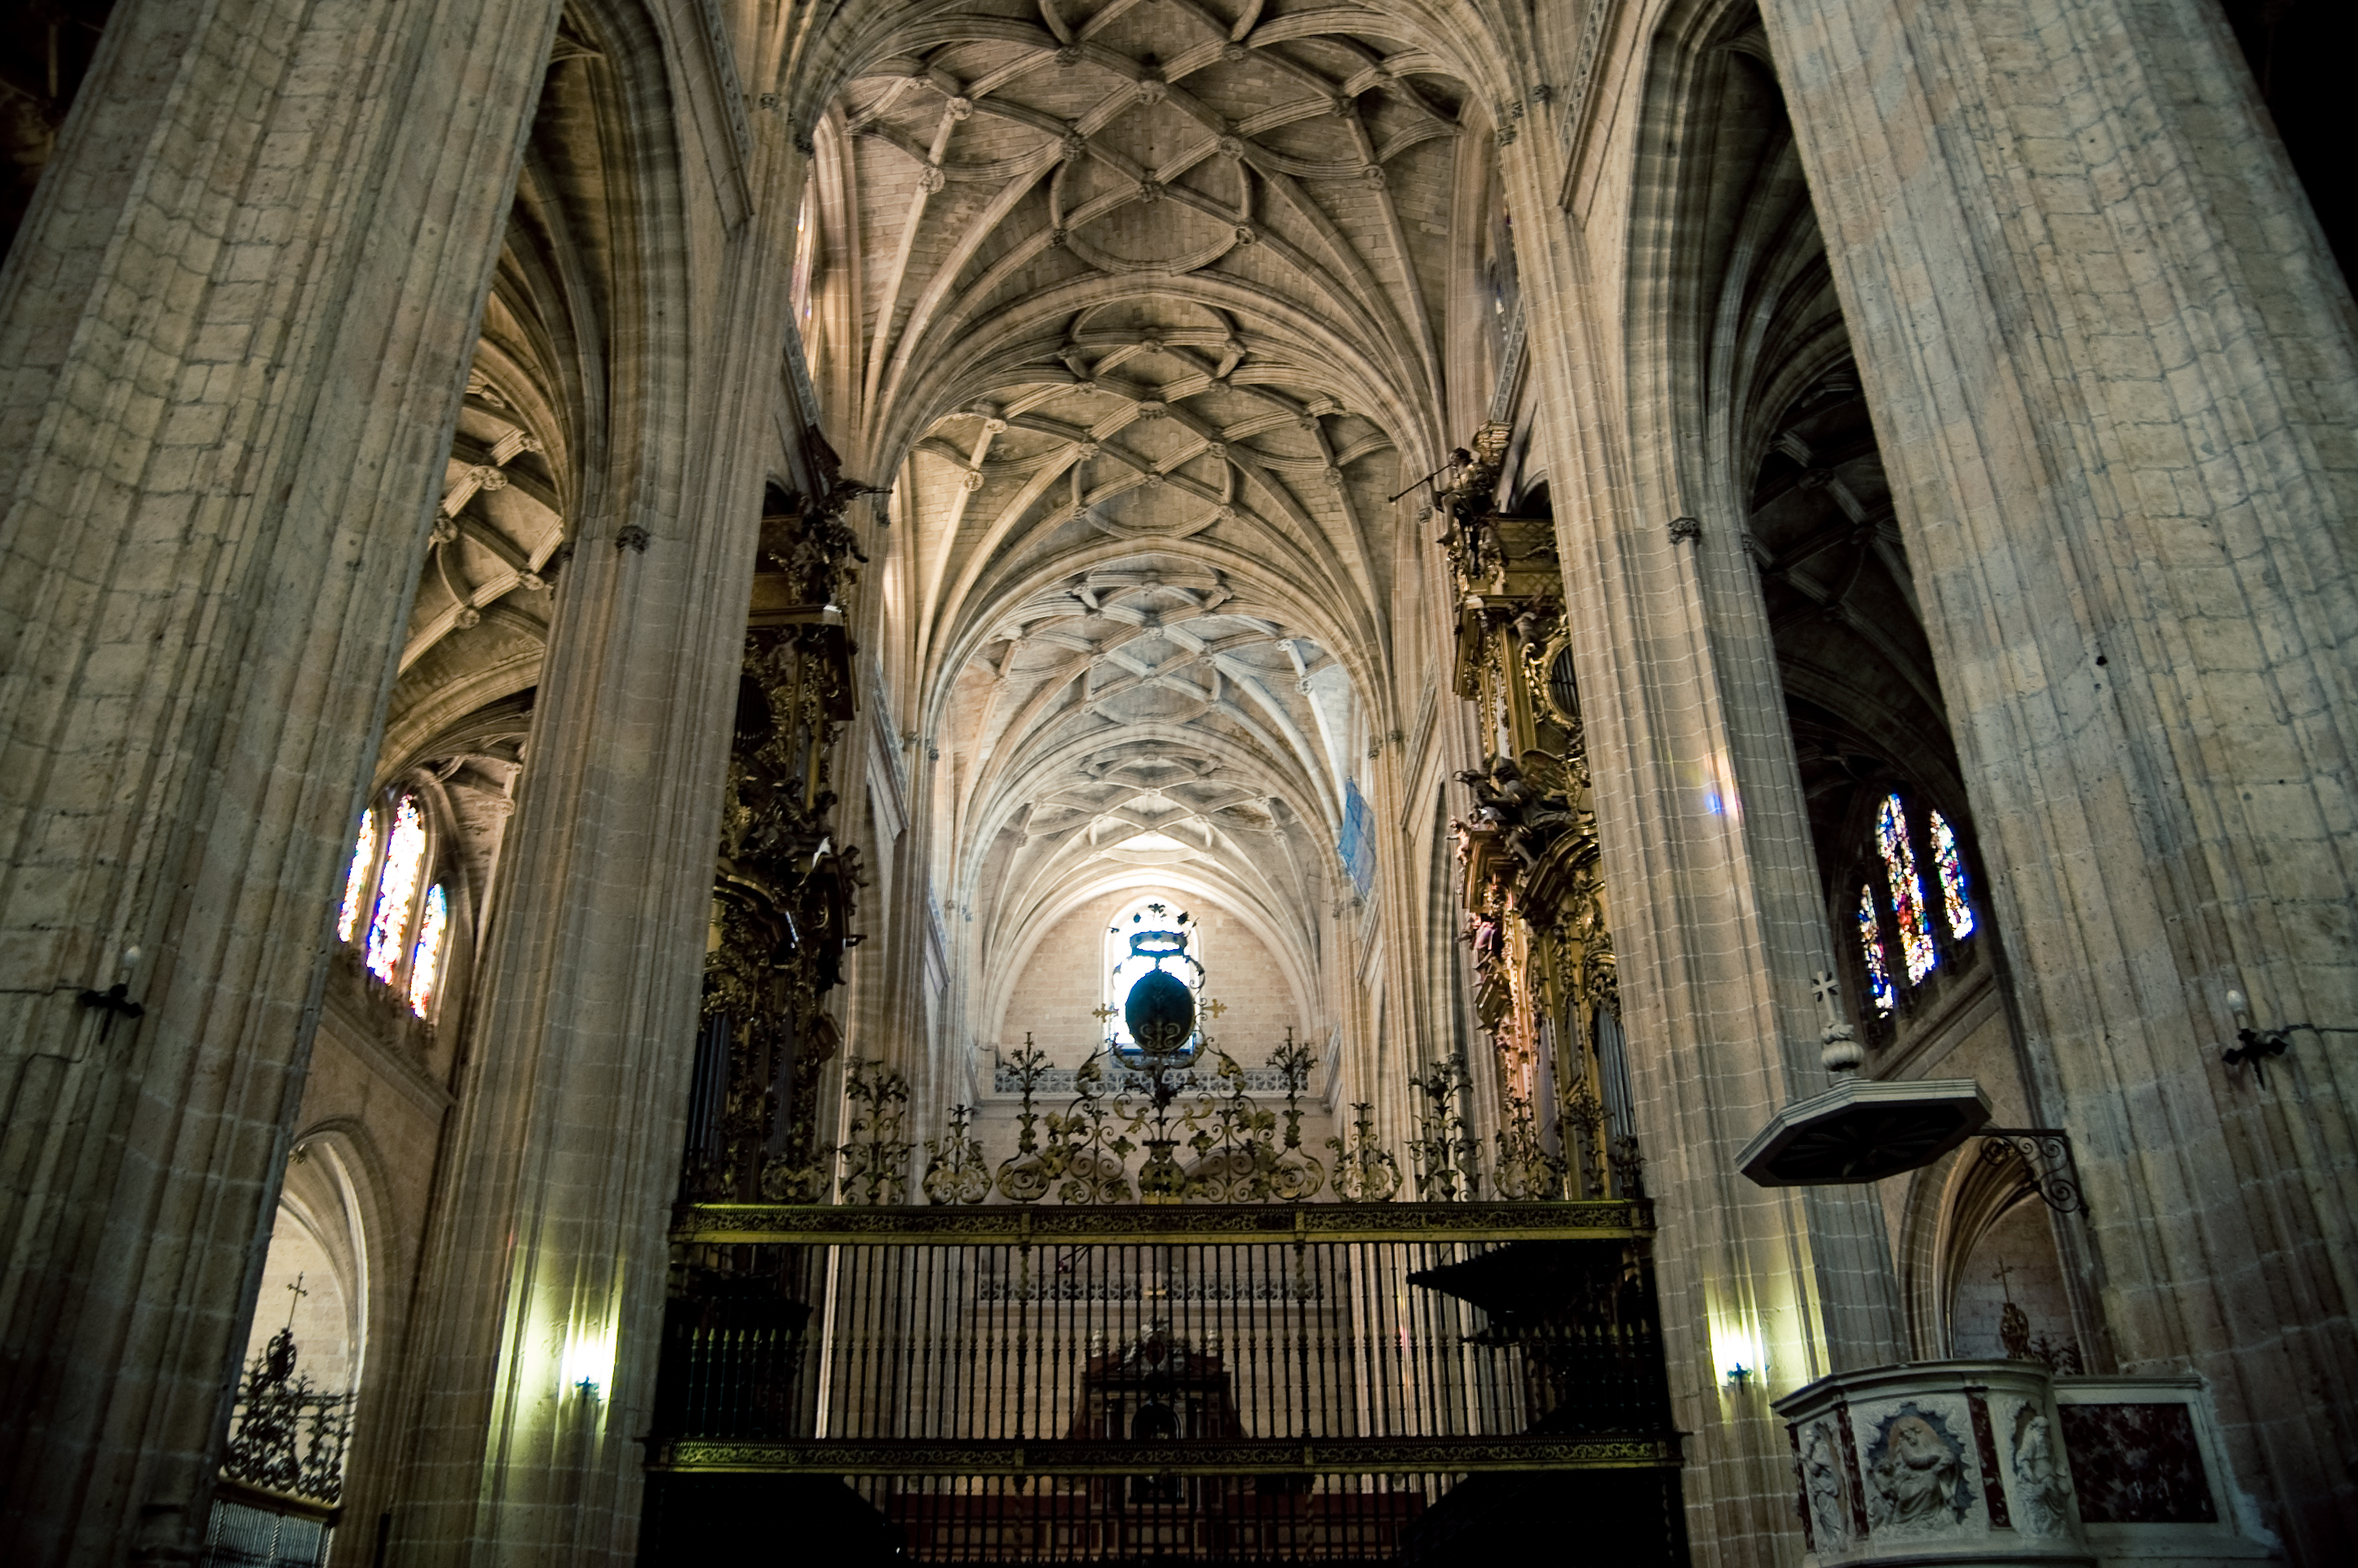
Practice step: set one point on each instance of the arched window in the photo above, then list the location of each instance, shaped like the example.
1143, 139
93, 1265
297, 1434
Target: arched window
396, 888
356, 879
1951, 867
403, 933
1911, 932
1150, 935
1907, 890
1870, 944
425, 960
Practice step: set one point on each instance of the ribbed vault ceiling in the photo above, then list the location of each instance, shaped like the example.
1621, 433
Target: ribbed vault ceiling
1149, 298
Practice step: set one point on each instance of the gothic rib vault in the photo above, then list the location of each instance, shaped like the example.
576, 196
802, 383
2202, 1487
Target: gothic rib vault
1151, 297
1906, 574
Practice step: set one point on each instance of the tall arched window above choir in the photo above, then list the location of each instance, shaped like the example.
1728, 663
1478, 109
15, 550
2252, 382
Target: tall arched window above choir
396, 909
1915, 902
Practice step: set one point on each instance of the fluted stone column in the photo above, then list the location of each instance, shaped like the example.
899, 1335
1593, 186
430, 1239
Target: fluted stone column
546, 1267
2112, 362
1717, 921
233, 337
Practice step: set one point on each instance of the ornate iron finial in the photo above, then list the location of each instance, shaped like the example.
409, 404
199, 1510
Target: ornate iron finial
875, 1157
1365, 1172
955, 1172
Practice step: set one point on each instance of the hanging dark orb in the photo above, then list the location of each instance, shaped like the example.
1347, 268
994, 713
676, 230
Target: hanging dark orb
1161, 1013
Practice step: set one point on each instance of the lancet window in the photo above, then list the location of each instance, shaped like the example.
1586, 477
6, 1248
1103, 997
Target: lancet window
1951, 867
396, 888
1907, 890
356, 879
403, 929
1870, 943
426, 959
1902, 938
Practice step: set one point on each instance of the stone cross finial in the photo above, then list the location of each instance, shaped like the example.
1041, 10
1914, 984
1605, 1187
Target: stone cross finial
1823, 987
1840, 1051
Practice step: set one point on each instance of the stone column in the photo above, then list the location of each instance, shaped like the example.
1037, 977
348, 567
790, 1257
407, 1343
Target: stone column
1711, 884
232, 334
2112, 362
542, 1305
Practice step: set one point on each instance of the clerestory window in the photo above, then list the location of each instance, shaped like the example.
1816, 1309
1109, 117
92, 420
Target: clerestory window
404, 930
1899, 944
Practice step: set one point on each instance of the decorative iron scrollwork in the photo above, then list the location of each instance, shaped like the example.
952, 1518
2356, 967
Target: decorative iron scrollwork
1443, 1150
2046, 1155
287, 1435
1527, 1167
1026, 1177
1364, 1171
875, 1157
954, 1169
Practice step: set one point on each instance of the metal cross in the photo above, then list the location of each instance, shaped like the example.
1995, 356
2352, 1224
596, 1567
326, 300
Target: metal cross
299, 1293
1214, 1008
1104, 1014
1999, 1274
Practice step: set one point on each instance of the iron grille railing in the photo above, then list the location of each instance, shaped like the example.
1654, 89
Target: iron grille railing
1175, 1340
1328, 1383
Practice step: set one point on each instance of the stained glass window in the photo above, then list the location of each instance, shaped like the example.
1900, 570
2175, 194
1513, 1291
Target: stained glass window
1951, 866
396, 888
1870, 947
426, 961
1907, 890
356, 879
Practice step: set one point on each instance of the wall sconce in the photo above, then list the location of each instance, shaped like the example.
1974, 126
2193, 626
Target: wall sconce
2256, 1045
1735, 1349
589, 1362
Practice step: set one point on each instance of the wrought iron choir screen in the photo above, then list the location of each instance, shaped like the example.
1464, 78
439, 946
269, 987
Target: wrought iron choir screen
1339, 1382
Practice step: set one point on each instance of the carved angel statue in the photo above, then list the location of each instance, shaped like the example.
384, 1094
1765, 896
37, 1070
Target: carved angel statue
1530, 808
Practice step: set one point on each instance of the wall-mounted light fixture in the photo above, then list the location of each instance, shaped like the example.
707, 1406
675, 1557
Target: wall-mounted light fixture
2256, 1046
589, 1361
1736, 1348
